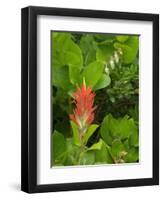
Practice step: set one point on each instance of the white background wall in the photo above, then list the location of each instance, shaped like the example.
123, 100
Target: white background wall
10, 80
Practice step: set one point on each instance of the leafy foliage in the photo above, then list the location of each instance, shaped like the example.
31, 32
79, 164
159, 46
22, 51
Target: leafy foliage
122, 136
109, 65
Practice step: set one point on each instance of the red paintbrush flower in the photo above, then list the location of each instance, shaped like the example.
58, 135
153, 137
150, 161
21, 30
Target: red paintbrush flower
83, 114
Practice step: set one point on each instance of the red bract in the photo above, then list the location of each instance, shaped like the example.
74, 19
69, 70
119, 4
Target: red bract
83, 114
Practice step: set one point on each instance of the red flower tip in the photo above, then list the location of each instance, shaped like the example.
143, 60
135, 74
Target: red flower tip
83, 114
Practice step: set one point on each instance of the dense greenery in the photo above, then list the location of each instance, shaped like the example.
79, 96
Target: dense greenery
109, 65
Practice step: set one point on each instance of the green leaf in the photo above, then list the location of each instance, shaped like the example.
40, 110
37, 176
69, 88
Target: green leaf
134, 138
117, 148
125, 127
102, 152
73, 153
104, 37
58, 147
104, 53
103, 155
105, 131
74, 74
89, 133
122, 38
129, 49
132, 156
96, 146
72, 89
65, 51
120, 128
103, 82
87, 158
60, 77
88, 47
92, 73
126, 145
109, 129
75, 131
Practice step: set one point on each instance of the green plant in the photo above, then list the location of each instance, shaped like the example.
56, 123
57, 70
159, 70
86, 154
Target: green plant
104, 68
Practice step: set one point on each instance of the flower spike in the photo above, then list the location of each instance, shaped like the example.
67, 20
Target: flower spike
83, 113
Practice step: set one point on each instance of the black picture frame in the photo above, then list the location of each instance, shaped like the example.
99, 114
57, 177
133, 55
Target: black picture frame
29, 99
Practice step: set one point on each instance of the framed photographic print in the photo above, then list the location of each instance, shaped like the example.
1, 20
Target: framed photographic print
90, 99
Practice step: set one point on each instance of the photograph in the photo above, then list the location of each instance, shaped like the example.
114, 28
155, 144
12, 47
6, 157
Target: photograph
90, 99
94, 98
